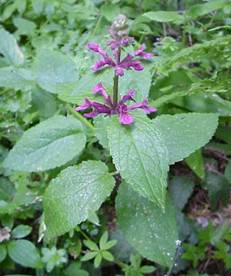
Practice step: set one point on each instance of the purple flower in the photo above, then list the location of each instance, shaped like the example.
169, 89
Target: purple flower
129, 62
121, 108
121, 42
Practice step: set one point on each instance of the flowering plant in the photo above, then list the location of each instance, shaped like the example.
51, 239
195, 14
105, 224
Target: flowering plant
141, 151
119, 39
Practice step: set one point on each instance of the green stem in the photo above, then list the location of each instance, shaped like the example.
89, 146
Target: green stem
116, 81
115, 89
81, 118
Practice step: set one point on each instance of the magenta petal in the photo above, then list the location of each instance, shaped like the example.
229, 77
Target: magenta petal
140, 52
99, 89
125, 119
87, 104
92, 114
143, 105
93, 46
129, 96
136, 65
98, 65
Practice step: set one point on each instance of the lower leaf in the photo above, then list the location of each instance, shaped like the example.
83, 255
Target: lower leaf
152, 232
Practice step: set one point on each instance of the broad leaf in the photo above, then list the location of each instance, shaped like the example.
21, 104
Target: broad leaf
10, 77
152, 232
24, 253
203, 9
21, 231
185, 133
74, 195
164, 16
9, 48
140, 156
52, 68
49, 144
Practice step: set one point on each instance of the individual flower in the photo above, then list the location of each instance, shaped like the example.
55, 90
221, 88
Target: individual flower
131, 61
108, 108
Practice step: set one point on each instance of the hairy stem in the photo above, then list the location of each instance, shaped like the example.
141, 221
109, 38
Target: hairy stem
116, 81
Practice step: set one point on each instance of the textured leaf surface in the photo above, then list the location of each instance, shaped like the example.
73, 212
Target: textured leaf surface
24, 253
52, 69
11, 78
49, 144
74, 195
185, 133
150, 231
140, 156
9, 48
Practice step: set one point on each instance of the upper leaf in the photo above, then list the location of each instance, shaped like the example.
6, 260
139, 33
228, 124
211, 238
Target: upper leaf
9, 48
49, 144
141, 157
74, 195
52, 69
185, 133
152, 232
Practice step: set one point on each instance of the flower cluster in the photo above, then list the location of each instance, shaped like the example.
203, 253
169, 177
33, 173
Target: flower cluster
122, 109
119, 39
129, 62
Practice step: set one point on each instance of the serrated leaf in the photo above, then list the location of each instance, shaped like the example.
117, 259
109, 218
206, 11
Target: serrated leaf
74, 194
140, 156
49, 144
152, 232
9, 48
24, 252
185, 133
52, 68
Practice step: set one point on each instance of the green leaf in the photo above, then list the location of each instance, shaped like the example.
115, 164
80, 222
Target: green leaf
140, 156
82, 88
164, 16
107, 256
89, 256
196, 163
101, 123
49, 144
74, 194
52, 68
10, 77
203, 9
91, 245
97, 261
9, 48
24, 26
3, 252
103, 240
21, 231
152, 232
185, 133
24, 252
181, 188
110, 11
